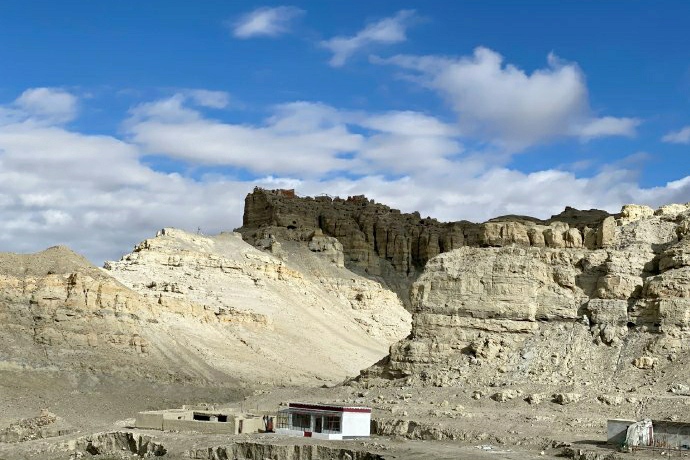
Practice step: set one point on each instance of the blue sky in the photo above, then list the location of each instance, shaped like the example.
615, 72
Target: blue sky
118, 118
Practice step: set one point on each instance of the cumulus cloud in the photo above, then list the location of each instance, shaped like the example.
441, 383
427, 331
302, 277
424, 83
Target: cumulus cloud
681, 136
96, 194
266, 22
305, 138
606, 126
299, 138
386, 31
48, 103
42, 106
409, 122
404, 142
501, 103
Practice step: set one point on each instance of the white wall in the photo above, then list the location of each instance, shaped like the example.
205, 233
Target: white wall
356, 423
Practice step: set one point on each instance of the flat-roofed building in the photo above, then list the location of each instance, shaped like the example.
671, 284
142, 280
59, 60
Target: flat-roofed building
201, 420
324, 421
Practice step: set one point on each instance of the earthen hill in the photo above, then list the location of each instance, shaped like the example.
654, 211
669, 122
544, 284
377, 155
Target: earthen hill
516, 332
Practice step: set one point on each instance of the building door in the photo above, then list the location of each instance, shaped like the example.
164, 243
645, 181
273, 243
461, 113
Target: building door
319, 425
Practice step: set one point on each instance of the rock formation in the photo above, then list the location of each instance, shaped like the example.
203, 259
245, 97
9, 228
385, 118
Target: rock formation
45, 425
581, 297
571, 315
190, 308
269, 307
371, 234
58, 311
394, 247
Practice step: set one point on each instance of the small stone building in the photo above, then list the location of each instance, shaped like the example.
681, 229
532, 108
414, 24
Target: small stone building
200, 420
324, 421
664, 434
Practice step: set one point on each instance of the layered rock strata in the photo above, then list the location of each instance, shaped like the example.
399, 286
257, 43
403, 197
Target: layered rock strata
394, 247
565, 316
370, 231
58, 312
190, 308
277, 310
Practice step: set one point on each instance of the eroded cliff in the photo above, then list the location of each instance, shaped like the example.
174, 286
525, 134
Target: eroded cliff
190, 308
617, 314
394, 247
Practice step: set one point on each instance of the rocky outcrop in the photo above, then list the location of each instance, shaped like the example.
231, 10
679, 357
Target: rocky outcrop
370, 233
264, 307
297, 451
45, 425
567, 315
394, 247
191, 308
57, 312
369, 230
115, 444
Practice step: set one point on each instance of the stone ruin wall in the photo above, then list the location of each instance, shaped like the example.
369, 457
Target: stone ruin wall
372, 233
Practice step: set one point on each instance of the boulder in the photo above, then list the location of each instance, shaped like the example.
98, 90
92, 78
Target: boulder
633, 212
645, 362
505, 395
566, 398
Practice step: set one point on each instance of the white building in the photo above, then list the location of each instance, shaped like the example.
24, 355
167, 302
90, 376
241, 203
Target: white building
324, 421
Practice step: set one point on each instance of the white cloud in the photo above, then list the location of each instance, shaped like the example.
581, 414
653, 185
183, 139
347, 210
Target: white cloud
607, 126
387, 31
409, 122
304, 116
681, 136
95, 194
52, 104
501, 103
266, 22
298, 138
210, 99
304, 138
41, 106
408, 142
170, 110
407, 154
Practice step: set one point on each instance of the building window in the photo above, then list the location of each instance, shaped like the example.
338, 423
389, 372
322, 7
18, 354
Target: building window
301, 421
332, 423
283, 421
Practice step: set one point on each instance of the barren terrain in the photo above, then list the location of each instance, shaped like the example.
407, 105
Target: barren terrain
525, 335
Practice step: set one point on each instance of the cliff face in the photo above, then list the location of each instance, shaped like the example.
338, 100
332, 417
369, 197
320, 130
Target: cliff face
265, 314
59, 312
395, 247
566, 316
582, 298
371, 234
191, 308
